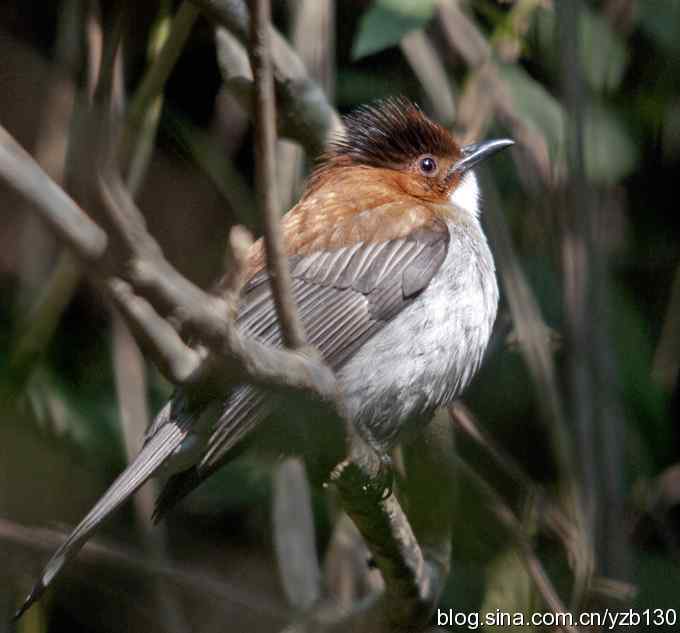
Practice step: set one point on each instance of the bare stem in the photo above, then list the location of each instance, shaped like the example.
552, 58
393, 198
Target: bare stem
265, 116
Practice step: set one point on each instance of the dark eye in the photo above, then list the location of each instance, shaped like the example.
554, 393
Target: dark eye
427, 165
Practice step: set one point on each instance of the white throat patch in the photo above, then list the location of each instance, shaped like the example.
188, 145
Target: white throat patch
466, 195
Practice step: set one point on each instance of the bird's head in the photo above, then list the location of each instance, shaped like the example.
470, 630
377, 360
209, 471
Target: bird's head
392, 173
394, 143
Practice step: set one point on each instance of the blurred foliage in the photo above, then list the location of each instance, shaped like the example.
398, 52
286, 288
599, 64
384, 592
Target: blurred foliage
64, 427
387, 21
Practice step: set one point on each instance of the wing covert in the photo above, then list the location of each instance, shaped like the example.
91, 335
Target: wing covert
343, 297
346, 294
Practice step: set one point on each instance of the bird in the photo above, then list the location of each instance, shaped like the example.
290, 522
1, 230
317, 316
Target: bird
395, 285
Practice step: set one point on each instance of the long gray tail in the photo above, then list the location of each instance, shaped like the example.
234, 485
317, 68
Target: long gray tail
156, 450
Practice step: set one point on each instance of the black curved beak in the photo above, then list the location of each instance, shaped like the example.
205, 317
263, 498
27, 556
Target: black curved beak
477, 152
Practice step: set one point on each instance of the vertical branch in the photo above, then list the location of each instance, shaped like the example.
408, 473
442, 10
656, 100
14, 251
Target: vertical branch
307, 16
423, 58
167, 43
265, 174
294, 536
135, 148
576, 260
131, 392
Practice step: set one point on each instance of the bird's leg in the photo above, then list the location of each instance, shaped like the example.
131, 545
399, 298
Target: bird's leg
385, 477
373, 461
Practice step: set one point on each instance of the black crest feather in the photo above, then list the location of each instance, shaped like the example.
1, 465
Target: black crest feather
390, 132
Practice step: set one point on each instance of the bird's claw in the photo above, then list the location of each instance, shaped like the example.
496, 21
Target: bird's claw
385, 478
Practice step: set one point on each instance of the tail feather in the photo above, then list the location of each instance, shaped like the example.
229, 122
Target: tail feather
241, 414
175, 489
154, 453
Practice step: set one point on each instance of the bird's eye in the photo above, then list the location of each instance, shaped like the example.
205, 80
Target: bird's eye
427, 165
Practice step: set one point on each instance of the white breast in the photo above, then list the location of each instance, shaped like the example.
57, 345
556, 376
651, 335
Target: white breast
466, 195
429, 353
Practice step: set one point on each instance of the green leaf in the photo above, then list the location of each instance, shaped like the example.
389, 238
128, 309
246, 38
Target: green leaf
386, 23
422, 9
609, 153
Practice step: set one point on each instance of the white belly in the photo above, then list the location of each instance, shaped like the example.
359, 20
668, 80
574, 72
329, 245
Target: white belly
429, 353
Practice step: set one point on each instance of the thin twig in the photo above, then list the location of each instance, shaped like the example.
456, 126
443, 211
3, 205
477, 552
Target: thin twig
102, 551
294, 536
533, 564
428, 67
317, 53
305, 114
151, 292
265, 173
37, 249
347, 577
233, 357
21, 173
40, 325
37, 330
486, 93
144, 110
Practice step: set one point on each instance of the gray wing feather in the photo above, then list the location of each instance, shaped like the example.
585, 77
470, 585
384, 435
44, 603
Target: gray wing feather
421, 269
343, 297
332, 278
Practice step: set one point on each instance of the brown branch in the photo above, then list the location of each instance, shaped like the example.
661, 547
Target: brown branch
346, 575
134, 256
318, 55
170, 47
294, 537
100, 551
414, 561
305, 114
552, 516
422, 56
412, 581
265, 175
126, 259
533, 565
174, 359
37, 329
22, 174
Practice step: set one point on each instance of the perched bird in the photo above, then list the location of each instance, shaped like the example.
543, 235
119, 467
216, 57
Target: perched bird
395, 285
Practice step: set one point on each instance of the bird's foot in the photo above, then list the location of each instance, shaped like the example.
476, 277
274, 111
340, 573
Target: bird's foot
385, 477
